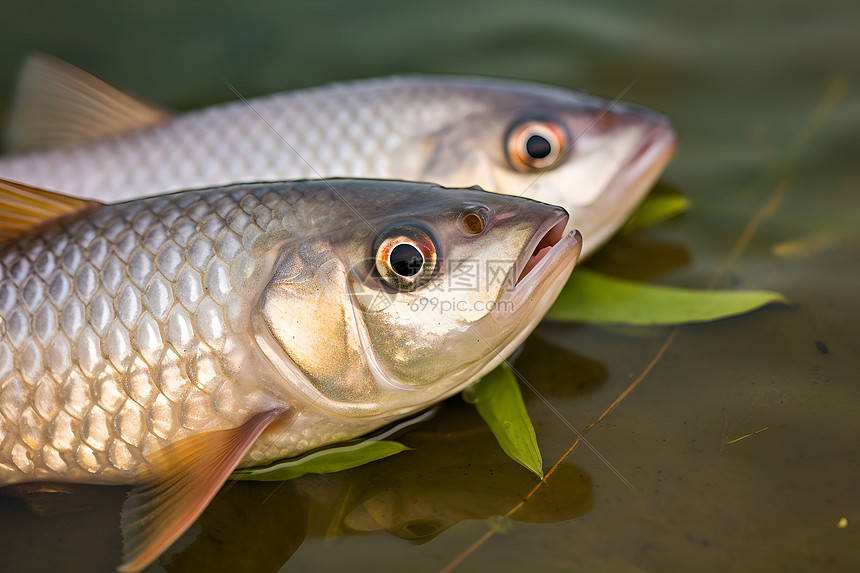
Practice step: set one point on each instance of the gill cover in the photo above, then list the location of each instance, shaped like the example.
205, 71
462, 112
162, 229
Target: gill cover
306, 314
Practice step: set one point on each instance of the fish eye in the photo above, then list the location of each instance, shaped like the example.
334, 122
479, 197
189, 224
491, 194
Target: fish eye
473, 223
536, 144
405, 256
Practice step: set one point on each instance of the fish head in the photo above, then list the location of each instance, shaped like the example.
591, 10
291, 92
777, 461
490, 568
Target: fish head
405, 306
594, 157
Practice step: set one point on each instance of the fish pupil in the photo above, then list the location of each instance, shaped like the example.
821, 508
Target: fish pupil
538, 147
473, 223
406, 260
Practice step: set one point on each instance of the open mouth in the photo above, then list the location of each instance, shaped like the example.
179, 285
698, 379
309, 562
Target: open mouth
542, 271
546, 237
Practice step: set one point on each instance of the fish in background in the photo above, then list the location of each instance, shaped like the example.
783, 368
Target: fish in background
165, 341
73, 133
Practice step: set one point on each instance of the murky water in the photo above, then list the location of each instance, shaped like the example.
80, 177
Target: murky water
766, 99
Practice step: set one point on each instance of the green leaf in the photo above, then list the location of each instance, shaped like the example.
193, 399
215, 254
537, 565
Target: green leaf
593, 297
499, 402
325, 461
656, 208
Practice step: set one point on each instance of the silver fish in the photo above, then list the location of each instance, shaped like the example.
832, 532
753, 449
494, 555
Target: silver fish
554, 145
165, 341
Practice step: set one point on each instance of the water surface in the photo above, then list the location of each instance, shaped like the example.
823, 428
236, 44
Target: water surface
766, 99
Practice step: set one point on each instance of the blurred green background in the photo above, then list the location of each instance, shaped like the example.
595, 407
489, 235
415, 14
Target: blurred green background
765, 97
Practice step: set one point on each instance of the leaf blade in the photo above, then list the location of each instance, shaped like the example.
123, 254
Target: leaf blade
499, 401
329, 460
593, 297
656, 208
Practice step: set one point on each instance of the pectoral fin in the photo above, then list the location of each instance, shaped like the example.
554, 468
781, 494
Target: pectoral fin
23, 206
184, 478
57, 103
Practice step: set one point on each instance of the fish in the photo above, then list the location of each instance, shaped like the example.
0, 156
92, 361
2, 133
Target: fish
72, 132
164, 342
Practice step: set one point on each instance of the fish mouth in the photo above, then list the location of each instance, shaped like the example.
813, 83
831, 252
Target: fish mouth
644, 165
545, 264
629, 186
547, 236
542, 272
653, 154
547, 268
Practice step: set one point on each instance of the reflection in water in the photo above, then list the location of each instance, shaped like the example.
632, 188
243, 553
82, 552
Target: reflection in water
455, 472
556, 371
740, 84
67, 532
636, 258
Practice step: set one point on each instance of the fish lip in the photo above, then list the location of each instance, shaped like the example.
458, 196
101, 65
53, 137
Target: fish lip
628, 187
548, 234
661, 143
529, 300
519, 309
649, 159
560, 259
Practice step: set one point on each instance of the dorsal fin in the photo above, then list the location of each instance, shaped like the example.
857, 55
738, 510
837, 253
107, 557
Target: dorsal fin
23, 207
183, 479
57, 103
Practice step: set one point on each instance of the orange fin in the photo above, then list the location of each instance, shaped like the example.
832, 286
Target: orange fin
23, 206
57, 103
184, 478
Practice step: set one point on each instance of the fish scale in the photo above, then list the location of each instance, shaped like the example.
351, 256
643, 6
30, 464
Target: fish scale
355, 130
100, 366
80, 136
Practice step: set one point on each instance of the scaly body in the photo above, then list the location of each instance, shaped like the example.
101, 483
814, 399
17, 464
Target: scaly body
350, 130
165, 341
594, 159
127, 330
